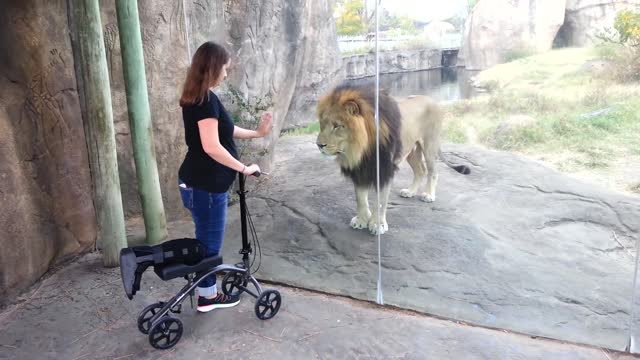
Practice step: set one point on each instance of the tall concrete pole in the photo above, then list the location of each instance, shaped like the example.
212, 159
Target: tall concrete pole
99, 132
140, 121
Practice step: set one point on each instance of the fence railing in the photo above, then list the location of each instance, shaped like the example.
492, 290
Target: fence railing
366, 43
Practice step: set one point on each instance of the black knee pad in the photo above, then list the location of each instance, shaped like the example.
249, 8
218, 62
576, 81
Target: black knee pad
135, 260
181, 251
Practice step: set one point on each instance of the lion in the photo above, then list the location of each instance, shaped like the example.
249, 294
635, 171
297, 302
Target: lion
409, 129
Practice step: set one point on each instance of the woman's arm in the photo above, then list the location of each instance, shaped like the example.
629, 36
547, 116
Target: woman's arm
211, 145
264, 128
241, 133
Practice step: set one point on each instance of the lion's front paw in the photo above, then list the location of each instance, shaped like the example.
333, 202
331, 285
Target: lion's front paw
376, 229
359, 223
406, 193
427, 197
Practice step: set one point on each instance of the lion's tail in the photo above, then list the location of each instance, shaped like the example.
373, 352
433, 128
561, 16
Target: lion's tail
462, 169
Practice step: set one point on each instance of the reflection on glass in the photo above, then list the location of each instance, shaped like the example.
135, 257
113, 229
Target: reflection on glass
301, 210
537, 238
634, 329
441, 84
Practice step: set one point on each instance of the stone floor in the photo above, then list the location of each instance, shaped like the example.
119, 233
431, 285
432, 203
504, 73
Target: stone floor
80, 312
514, 245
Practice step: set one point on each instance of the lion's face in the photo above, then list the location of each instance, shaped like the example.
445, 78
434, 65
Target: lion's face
334, 135
344, 131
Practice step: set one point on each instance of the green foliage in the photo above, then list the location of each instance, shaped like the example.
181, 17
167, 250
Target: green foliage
625, 57
350, 14
628, 63
456, 132
594, 137
353, 18
607, 51
408, 26
366, 49
517, 54
247, 112
387, 21
627, 24
625, 31
399, 24
415, 43
582, 122
310, 129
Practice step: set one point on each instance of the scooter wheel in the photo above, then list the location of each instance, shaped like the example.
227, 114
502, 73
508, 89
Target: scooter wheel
144, 319
232, 283
166, 333
268, 304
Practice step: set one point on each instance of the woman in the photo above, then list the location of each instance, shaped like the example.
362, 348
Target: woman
212, 160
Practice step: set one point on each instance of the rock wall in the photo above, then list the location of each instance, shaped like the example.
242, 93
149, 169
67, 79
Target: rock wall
359, 66
283, 51
321, 63
496, 29
585, 18
46, 208
166, 62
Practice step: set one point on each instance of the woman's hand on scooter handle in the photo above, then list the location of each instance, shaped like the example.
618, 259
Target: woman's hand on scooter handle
252, 170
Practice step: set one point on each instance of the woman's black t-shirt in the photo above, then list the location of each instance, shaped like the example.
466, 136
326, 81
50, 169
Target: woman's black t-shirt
198, 169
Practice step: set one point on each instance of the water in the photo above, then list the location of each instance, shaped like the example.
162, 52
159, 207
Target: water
444, 85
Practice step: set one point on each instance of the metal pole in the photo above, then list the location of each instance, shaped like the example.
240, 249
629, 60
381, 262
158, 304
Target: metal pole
155, 222
99, 132
380, 297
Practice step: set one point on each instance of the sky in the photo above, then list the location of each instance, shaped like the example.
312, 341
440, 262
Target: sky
423, 10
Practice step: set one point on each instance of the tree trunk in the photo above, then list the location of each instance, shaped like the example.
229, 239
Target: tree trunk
140, 121
98, 125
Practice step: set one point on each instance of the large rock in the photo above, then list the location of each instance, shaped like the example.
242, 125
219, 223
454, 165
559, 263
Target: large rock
321, 63
499, 29
514, 245
586, 18
46, 208
285, 52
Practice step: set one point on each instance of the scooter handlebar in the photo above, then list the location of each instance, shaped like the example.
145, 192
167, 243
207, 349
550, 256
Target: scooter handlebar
256, 174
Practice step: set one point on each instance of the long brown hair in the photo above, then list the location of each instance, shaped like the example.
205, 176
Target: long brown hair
204, 71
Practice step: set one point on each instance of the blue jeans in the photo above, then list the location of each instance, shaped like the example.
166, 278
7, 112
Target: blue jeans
209, 213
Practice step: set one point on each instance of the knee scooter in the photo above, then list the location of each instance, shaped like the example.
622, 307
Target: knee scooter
185, 258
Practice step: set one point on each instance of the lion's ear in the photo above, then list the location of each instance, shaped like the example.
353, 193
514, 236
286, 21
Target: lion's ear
352, 108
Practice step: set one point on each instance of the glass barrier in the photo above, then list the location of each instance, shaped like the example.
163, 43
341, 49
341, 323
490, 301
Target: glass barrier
300, 209
523, 222
633, 345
